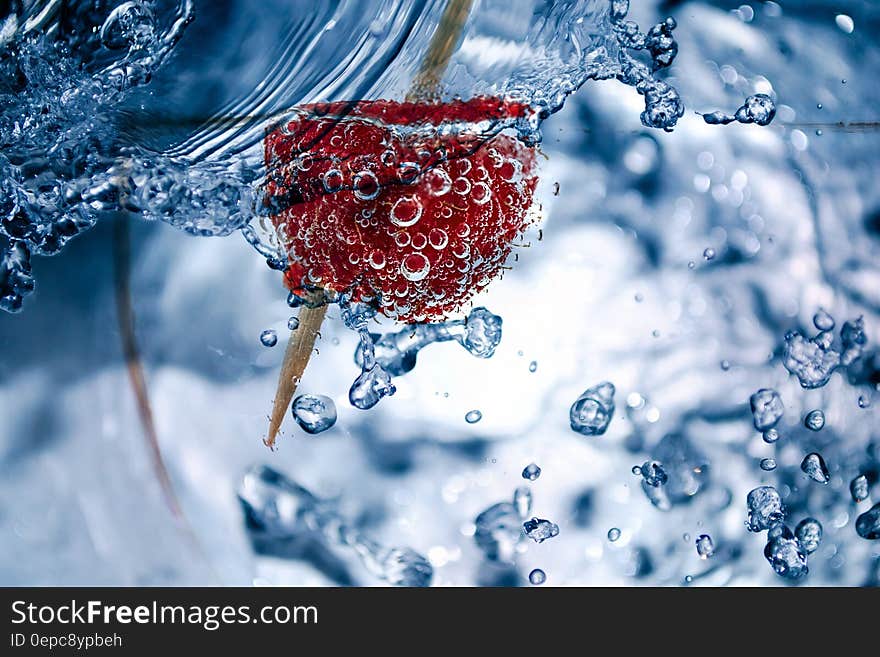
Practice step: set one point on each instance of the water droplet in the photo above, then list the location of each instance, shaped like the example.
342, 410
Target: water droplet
497, 531
472, 417
768, 464
293, 323
765, 508
864, 401
770, 436
269, 338
845, 23
533, 366
613, 534
858, 488
812, 361
785, 554
537, 577
531, 472
314, 413
522, 501
653, 473
814, 467
591, 413
809, 534
705, 546
868, 524
767, 408
823, 321
814, 420
539, 530
709, 253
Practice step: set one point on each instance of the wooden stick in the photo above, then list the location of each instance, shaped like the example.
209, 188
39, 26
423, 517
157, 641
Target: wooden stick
302, 339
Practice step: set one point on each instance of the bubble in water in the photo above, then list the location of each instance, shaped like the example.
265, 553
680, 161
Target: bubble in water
522, 501
415, 267
765, 508
814, 466
539, 530
613, 534
592, 411
766, 408
531, 472
823, 321
811, 361
474, 416
809, 534
653, 473
537, 577
858, 488
705, 546
786, 555
814, 420
269, 338
709, 254
868, 524
864, 402
768, 464
497, 531
314, 413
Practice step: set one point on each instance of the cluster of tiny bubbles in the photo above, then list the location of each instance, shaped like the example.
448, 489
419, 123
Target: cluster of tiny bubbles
539, 530
537, 577
613, 534
473, 416
279, 514
858, 488
768, 464
269, 338
531, 472
705, 546
591, 413
767, 408
314, 413
479, 333
813, 465
757, 108
868, 523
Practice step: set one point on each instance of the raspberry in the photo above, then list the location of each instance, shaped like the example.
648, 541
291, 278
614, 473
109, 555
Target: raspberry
408, 204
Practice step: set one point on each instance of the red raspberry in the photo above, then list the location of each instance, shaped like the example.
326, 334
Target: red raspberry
405, 201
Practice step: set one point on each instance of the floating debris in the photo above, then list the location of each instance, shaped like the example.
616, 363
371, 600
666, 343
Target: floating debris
540, 530
768, 464
613, 534
858, 488
592, 411
765, 508
811, 361
705, 546
497, 531
531, 472
537, 577
472, 417
814, 467
809, 534
269, 338
814, 420
786, 555
314, 413
767, 408
868, 524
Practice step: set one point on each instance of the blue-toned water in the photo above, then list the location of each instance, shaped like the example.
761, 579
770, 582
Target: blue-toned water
695, 272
